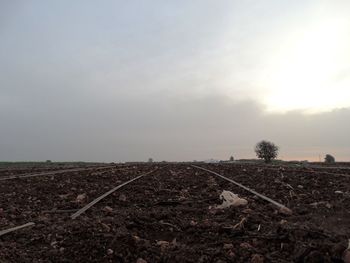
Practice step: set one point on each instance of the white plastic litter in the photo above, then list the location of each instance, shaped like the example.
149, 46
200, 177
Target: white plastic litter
230, 199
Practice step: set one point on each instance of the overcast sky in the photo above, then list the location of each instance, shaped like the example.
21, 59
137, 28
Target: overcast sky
173, 80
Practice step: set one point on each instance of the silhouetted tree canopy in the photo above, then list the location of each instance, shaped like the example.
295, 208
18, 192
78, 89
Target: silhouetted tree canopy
266, 150
329, 159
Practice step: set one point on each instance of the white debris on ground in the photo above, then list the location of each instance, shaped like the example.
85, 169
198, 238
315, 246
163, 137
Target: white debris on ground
80, 198
231, 199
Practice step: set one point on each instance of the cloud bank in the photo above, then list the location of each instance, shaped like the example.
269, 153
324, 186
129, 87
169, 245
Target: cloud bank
119, 81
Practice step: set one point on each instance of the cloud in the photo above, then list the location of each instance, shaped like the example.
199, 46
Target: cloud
172, 80
167, 129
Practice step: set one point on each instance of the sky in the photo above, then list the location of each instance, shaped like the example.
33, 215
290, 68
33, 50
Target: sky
173, 80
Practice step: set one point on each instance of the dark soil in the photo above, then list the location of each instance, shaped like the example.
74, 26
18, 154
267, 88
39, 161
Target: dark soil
171, 216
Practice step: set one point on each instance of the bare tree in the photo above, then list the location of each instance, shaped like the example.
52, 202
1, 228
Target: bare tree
266, 150
231, 159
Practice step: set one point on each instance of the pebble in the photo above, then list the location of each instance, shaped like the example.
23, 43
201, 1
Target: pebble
245, 245
257, 258
193, 223
108, 209
122, 197
81, 197
228, 246
162, 243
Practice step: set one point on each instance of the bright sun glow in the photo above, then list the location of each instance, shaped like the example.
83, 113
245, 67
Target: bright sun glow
310, 69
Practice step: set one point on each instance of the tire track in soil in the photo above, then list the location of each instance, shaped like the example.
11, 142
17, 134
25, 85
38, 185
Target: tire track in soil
166, 218
329, 218
24, 200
